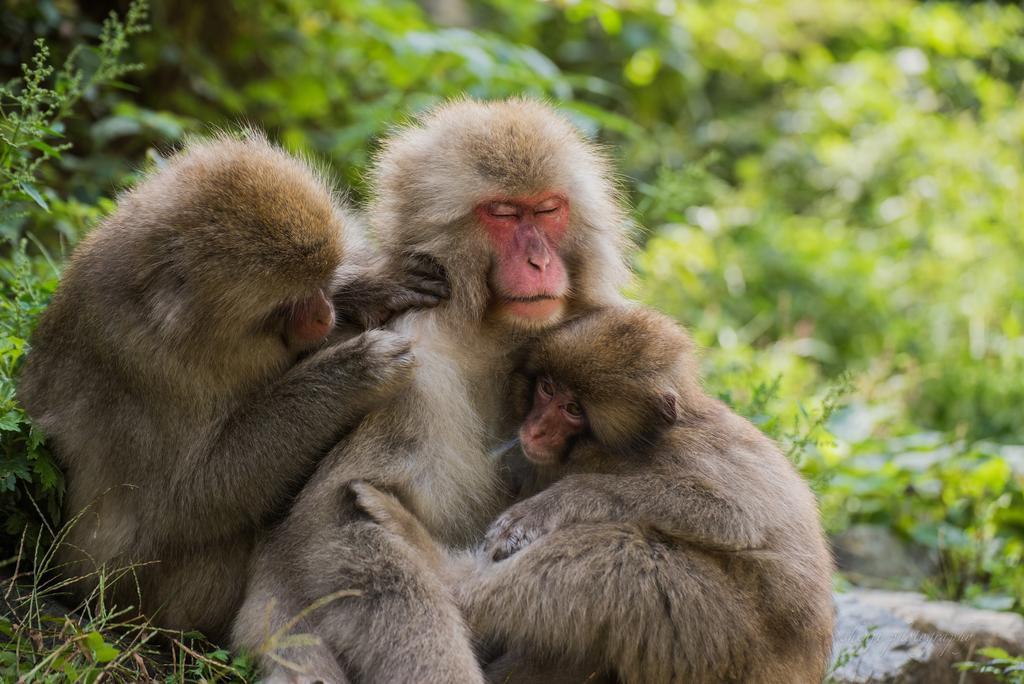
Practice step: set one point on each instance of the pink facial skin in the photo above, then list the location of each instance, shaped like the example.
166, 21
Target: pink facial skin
554, 419
309, 322
529, 278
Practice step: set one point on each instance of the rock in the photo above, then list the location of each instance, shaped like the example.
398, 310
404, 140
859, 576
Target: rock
872, 556
874, 646
970, 627
911, 640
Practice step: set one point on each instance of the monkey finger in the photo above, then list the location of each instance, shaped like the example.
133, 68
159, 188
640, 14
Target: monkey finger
498, 529
418, 262
517, 539
505, 543
388, 357
429, 284
373, 321
503, 551
397, 304
412, 299
427, 275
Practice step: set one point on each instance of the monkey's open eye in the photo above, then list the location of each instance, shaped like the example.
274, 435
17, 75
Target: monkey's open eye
573, 409
546, 387
503, 210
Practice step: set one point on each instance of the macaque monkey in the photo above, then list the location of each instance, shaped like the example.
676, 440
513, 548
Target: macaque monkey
184, 376
521, 214
670, 541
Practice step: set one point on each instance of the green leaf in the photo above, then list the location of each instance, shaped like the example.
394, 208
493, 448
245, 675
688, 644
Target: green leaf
48, 475
10, 421
102, 652
45, 149
29, 190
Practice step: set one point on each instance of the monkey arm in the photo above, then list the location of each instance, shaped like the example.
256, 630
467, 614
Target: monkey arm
682, 508
610, 596
267, 448
371, 584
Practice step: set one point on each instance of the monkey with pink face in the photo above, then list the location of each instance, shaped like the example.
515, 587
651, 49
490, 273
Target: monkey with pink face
522, 215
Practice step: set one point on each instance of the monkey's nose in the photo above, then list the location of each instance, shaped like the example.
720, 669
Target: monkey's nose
539, 260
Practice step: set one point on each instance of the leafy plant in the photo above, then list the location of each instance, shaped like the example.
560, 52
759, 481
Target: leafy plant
32, 114
1000, 665
34, 107
849, 654
29, 477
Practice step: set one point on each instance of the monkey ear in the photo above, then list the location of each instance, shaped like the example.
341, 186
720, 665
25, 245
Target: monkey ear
668, 407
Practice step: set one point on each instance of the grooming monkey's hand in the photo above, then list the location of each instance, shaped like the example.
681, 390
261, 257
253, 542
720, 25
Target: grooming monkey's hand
421, 282
521, 525
416, 282
380, 362
388, 361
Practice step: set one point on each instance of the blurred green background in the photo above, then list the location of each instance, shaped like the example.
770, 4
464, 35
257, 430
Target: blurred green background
831, 194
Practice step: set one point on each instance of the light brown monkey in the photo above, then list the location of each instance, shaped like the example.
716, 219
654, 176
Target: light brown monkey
675, 544
168, 370
521, 213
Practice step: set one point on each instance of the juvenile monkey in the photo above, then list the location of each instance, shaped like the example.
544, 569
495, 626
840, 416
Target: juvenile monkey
182, 375
521, 213
675, 542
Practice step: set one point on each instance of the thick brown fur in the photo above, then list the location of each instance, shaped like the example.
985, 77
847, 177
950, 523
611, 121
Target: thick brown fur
430, 444
667, 549
162, 373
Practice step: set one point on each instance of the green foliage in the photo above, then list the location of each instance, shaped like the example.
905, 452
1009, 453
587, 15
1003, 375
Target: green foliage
34, 107
965, 504
29, 477
1001, 666
33, 110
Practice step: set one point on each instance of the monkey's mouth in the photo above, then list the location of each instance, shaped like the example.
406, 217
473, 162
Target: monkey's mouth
539, 454
540, 308
530, 299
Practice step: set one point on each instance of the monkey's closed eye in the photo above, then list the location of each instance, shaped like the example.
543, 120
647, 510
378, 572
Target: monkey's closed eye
548, 207
546, 387
502, 210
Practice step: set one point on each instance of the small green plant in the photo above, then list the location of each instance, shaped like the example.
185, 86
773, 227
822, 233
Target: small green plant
849, 654
33, 108
800, 428
1000, 665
